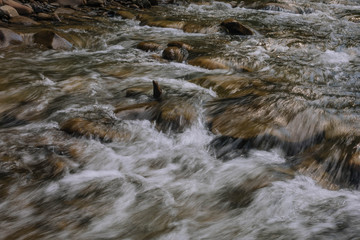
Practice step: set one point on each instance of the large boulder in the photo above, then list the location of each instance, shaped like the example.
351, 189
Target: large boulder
234, 27
9, 37
20, 8
8, 11
51, 40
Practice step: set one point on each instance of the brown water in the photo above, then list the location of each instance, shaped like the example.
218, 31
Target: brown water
285, 167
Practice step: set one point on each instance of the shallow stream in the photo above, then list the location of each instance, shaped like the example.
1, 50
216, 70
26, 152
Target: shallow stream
302, 73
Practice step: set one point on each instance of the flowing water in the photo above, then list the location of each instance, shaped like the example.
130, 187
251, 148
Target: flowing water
154, 182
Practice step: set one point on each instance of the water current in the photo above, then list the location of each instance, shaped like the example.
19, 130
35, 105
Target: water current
203, 181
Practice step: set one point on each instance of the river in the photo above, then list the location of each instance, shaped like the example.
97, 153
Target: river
300, 85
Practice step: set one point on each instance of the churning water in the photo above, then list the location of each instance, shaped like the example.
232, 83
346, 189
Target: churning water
154, 182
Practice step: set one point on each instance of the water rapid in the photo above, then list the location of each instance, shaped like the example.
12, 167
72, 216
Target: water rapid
267, 147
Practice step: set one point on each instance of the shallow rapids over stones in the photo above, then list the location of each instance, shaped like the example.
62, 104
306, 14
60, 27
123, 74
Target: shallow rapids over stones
156, 120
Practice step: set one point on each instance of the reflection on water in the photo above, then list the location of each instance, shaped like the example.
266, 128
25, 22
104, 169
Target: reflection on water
264, 148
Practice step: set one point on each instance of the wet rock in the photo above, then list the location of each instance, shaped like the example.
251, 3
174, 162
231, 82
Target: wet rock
44, 16
232, 86
89, 129
95, 3
141, 111
234, 27
334, 163
8, 11
172, 114
64, 11
166, 24
175, 115
208, 63
157, 91
265, 122
175, 54
71, 3
126, 14
20, 8
180, 45
199, 28
9, 37
148, 46
21, 20
51, 40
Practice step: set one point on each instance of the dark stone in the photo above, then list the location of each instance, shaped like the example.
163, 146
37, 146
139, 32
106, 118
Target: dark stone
143, 3
95, 3
234, 27
51, 40
156, 90
175, 54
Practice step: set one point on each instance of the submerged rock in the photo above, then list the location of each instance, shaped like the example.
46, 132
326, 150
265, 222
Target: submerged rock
9, 37
51, 40
175, 115
172, 114
126, 14
140, 111
89, 129
208, 63
180, 45
282, 7
234, 27
148, 46
191, 27
175, 54
334, 163
232, 86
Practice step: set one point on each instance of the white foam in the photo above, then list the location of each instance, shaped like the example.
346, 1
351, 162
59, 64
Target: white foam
332, 57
